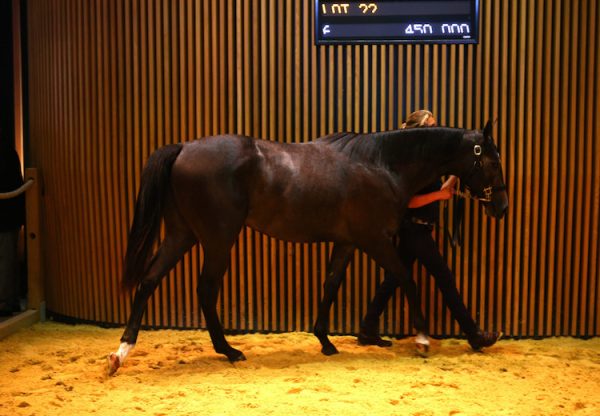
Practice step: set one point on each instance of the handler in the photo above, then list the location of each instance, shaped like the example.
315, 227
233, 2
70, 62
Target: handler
12, 217
416, 243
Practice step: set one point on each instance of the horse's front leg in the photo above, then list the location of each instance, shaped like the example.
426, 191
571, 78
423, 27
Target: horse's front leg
336, 270
397, 274
369, 327
419, 322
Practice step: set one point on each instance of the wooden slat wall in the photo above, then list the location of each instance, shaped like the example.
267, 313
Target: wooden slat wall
110, 81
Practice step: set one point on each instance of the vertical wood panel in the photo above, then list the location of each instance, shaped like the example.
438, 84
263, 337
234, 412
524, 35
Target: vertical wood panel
111, 81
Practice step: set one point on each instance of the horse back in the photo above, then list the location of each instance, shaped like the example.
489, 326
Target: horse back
296, 192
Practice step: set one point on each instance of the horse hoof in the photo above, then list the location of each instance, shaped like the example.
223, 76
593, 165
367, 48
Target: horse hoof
422, 350
329, 350
235, 356
422, 344
113, 363
483, 339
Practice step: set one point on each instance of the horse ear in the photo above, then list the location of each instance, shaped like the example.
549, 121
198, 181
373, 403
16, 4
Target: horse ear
487, 130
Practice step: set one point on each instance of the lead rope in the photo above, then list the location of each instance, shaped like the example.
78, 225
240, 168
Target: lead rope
457, 220
455, 236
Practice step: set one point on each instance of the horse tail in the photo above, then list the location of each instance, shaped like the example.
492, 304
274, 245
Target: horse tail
148, 214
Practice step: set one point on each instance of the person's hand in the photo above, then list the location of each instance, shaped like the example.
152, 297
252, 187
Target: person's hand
450, 183
446, 193
448, 188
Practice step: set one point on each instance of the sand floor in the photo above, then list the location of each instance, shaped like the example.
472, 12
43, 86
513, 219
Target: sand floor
57, 369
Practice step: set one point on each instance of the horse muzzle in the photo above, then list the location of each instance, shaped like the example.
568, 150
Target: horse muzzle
498, 205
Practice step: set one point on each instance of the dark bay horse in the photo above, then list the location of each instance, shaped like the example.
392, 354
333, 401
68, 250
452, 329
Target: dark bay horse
350, 189
484, 183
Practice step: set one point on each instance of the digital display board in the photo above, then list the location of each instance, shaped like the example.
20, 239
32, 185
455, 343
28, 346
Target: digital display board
396, 21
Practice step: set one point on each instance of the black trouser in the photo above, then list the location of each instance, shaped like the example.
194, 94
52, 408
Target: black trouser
416, 243
9, 272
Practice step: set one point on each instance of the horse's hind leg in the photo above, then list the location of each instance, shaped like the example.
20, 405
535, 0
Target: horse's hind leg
336, 270
167, 256
216, 261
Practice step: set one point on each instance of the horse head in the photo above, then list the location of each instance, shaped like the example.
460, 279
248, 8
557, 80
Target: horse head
484, 179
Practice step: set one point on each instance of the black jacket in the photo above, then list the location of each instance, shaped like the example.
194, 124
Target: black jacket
12, 211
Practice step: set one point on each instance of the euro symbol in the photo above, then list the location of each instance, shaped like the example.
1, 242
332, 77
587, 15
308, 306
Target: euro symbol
326, 29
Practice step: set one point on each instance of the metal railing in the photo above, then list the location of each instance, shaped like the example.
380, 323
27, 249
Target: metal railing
22, 189
35, 281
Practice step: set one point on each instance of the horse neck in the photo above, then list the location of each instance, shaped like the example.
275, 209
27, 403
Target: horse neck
423, 154
358, 147
432, 148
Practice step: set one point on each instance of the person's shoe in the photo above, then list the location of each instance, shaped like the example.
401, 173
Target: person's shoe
364, 339
483, 339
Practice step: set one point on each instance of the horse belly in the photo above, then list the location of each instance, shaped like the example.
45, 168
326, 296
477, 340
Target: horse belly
296, 222
322, 210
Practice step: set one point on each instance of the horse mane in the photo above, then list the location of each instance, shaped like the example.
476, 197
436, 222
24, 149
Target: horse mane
387, 148
356, 146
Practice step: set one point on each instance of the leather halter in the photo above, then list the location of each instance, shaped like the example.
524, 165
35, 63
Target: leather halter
485, 194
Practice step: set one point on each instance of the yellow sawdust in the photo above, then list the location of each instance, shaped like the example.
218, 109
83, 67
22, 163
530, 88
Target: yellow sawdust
55, 369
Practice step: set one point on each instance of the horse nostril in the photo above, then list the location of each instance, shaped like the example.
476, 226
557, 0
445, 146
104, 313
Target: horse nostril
504, 209
500, 209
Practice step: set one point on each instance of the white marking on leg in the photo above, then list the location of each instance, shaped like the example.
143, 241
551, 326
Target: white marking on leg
124, 350
422, 344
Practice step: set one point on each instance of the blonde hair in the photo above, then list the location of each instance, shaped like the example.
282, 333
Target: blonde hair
417, 119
